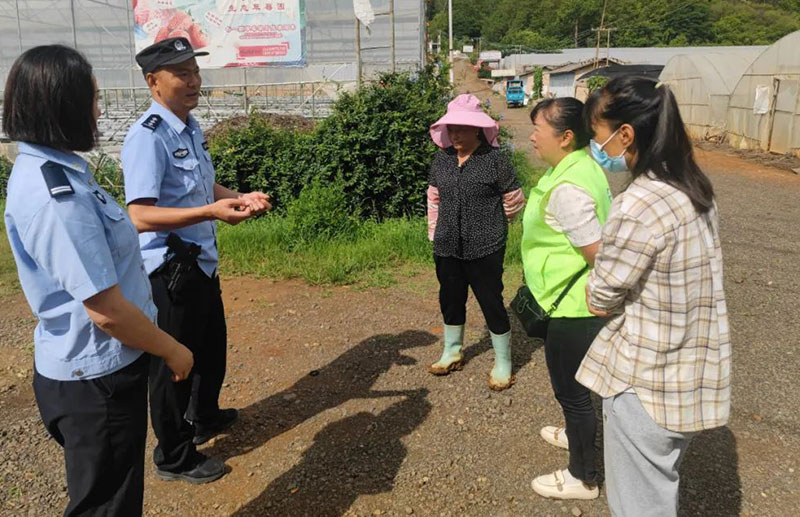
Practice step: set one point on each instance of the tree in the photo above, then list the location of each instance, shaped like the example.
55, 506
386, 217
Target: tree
638, 23
531, 40
692, 22
576, 18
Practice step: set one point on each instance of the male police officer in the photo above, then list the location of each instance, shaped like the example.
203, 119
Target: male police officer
174, 202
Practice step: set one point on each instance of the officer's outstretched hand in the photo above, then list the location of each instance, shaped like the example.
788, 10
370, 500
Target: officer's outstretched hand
232, 211
258, 202
180, 361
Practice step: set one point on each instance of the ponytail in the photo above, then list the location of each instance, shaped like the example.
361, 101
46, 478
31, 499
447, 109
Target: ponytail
663, 147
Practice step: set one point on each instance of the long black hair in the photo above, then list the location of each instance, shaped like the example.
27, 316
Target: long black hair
662, 145
49, 99
564, 113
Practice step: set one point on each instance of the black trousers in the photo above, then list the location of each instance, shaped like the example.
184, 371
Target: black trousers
195, 317
485, 276
102, 425
568, 340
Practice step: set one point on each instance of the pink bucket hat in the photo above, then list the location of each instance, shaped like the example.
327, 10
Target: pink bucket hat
464, 110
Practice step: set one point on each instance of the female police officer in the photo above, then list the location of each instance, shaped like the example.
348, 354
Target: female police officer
78, 259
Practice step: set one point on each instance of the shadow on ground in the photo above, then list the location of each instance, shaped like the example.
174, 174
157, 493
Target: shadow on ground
710, 483
358, 455
349, 376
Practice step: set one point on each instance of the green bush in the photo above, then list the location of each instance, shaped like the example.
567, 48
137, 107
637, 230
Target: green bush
375, 144
528, 175
538, 82
484, 72
320, 213
5, 172
596, 82
108, 173
262, 157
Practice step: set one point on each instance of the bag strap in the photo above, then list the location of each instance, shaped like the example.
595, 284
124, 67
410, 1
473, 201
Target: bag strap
566, 289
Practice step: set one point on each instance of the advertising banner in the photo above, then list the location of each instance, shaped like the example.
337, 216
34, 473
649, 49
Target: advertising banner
234, 32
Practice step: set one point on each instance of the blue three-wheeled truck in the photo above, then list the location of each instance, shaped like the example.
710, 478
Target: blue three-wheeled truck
515, 93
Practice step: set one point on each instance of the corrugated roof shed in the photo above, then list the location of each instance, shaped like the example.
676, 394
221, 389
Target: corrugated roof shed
626, 55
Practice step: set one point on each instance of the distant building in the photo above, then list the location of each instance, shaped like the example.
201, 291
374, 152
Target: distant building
561, 81
611, 72
624, 55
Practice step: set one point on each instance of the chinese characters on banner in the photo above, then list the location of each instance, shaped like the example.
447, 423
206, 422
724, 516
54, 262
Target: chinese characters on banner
234, 32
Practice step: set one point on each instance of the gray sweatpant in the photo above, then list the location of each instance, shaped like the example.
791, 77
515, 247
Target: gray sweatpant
641, 460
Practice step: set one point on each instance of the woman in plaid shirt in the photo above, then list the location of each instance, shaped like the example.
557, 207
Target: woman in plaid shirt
663, 361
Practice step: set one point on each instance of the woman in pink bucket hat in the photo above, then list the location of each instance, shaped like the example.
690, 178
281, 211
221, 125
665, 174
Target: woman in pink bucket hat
473, 192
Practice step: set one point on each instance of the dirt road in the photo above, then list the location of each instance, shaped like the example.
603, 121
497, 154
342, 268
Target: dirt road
339, 416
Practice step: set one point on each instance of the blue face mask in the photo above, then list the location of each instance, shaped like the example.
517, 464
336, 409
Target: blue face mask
615, 164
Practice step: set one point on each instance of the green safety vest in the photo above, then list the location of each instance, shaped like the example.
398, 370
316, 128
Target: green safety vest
549, 259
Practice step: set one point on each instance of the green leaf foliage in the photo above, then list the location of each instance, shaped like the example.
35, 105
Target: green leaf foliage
320, 213
639, 23
5, 172
375, 145
596, 82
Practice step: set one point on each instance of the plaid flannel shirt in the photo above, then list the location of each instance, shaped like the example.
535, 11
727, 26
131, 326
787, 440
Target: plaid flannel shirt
659, 272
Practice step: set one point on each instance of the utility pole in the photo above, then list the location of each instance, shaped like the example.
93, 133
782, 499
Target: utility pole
19, 26
602, 27
608, 43
608, 31
358, 53
74, 28
576, 33
450, 37
391, 22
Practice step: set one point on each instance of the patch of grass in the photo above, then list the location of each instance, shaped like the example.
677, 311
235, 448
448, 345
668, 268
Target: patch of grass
528, 174
9, 281
372, 256
379, 255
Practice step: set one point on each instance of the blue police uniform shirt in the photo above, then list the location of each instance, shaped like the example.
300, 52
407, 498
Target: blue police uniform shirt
70, 242
167, 160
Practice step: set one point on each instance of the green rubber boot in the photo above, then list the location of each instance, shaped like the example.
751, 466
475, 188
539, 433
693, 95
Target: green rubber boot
501, 378
451, 356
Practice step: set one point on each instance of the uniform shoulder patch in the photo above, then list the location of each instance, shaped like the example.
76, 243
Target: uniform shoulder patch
180, 153
56, 179
152, 122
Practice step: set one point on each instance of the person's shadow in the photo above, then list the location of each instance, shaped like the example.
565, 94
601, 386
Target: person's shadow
358, 455
710, 483
349, 376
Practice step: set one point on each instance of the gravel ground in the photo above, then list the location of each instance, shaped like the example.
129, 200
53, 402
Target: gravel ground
340, 417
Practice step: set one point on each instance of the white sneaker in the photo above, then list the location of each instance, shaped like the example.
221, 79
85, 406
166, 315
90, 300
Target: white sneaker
555, 436
555, 486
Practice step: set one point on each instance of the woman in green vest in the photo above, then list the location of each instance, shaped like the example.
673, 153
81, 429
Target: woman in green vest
561, 235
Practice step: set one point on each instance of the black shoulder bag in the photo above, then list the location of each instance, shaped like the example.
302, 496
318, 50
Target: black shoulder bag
531, 315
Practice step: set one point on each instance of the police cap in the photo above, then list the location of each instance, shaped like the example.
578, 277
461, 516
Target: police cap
170, 51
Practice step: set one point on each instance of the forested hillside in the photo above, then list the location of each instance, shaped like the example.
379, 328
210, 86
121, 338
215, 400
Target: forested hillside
549, 24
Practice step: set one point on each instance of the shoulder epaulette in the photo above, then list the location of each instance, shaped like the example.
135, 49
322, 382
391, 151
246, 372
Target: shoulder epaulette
56, 179
152, 122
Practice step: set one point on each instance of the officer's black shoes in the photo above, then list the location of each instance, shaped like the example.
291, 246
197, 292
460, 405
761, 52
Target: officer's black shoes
205, 470
203, 432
